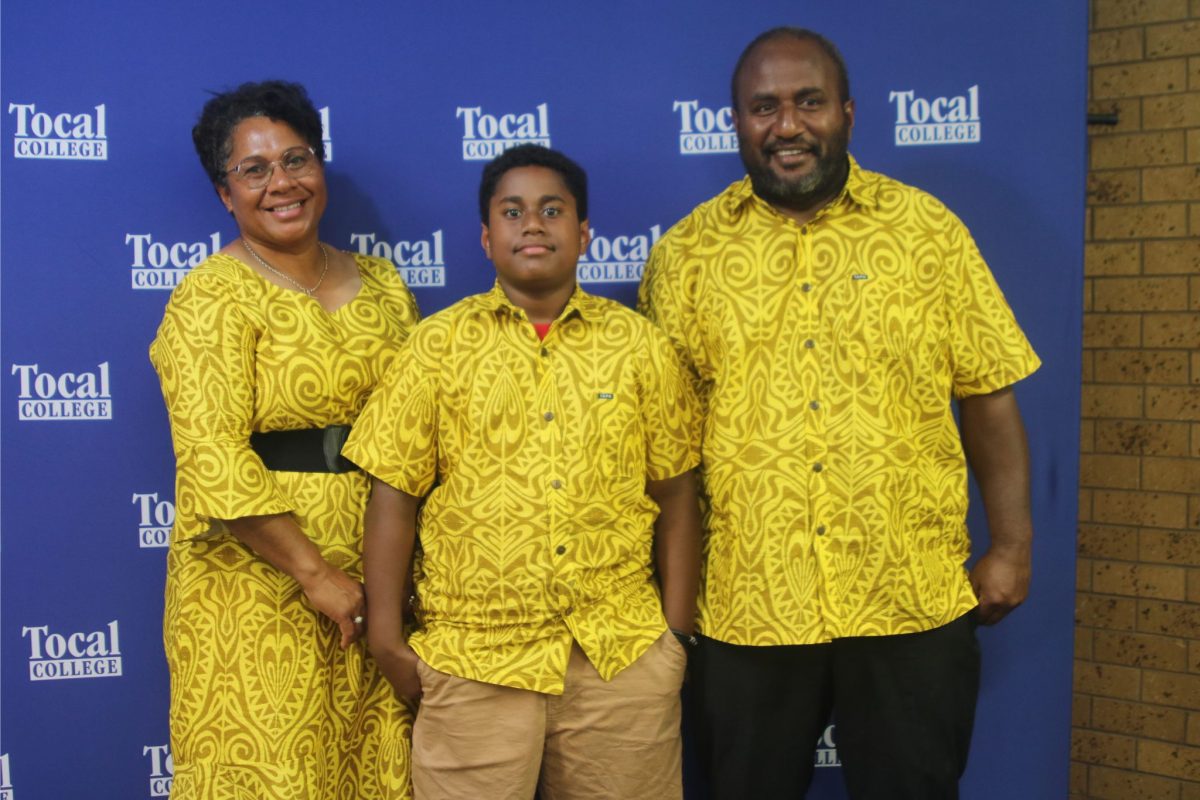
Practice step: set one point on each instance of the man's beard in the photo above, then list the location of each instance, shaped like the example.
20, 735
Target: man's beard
821, 183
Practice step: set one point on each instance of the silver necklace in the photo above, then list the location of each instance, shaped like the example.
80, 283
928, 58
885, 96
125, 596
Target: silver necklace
310, 292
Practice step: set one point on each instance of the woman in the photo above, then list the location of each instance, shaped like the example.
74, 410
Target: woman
266, 354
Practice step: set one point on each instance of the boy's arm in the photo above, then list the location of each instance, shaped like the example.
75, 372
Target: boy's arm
677, 548
388, 540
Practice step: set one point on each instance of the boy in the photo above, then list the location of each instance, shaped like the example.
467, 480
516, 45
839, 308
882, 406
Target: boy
545, 428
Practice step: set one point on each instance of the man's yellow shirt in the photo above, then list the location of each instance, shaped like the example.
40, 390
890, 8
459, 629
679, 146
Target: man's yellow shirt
825, 357
534, 455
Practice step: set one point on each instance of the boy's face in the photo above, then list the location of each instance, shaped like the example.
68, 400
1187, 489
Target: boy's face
534, 234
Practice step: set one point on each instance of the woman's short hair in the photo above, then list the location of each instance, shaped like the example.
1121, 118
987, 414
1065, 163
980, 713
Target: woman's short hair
280, 101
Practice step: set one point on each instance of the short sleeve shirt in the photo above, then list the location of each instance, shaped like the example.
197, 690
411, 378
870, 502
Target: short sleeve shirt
533, 457
825, 357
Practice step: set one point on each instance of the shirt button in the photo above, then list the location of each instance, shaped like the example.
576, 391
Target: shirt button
810, 344
814, 405
548, 416
817, 467
820, 530
560, 549
545, 351
568, 611
806, 287
556, 484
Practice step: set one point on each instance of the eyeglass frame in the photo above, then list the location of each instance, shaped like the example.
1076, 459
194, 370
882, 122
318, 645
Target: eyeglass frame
240, 176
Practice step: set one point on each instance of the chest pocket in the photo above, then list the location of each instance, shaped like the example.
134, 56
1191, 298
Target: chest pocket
870, 317
614, 433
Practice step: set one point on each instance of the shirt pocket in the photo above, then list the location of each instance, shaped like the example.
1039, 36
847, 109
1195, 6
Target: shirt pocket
613, 438
870, 318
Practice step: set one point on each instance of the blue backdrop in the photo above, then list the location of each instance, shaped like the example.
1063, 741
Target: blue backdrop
105, 207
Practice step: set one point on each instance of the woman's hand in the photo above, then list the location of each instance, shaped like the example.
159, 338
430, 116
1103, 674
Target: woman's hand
339, 597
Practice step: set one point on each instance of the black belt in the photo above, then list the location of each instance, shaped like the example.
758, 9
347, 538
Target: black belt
307, 450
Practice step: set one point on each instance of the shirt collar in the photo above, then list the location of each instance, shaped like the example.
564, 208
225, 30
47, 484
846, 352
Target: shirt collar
862, 188
587, 306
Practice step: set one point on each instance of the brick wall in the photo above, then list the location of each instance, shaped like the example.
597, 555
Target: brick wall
1137, 674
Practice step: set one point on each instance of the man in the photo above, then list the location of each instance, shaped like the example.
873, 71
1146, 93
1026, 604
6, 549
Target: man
553, 437
829, 315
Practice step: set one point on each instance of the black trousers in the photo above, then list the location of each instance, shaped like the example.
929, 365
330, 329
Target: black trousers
904, 707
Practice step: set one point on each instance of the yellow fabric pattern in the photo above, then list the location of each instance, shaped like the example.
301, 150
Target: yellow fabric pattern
539, 529
264, 703
825, 357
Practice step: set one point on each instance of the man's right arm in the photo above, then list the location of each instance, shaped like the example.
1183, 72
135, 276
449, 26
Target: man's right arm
388, 541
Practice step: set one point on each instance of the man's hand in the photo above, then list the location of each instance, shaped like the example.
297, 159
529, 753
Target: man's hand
339, 597
1001, 581
399, 666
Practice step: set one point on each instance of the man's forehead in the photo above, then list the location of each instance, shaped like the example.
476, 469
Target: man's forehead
786, 58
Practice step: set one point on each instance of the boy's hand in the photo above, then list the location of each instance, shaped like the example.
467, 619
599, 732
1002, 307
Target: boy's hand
399, 666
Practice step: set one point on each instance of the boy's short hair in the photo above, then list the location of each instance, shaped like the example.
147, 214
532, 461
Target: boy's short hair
533, 155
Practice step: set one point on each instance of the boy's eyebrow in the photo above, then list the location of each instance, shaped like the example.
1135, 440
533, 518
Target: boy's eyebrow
546, 198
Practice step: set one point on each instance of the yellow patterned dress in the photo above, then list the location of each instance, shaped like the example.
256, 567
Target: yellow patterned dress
264, 703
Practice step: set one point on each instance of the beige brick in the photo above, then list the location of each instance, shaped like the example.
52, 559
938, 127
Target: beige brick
1174, 257
1175, 39
1116, 258
1192, 736
1118, 13
1105, 400
1106, 783
1195, 451
1141, 294
1194, 218
1164, 220
1189, 791
1122, 44
1140, 366
1108, 541
1161, 76
1083, 575
1109, 749
1194, 304
1171, 111
1193, 146
1110, 613
1193, 585
1169, 547
1171, 330
1112, 330
1114, 186
1140, 150
1083, 644
1139, 580
1128, 111
1193, 69
1173, 402
1081, 705
1194, 512
1169, 619
1142, 437
1171, 474
1194, 656
1175, 760
1139, 650
1085, 505
1088, 227
1087, 306
1108, 680
1138, 719
1153, 509
1077, 781
1087, 436
1161, 183
1109, 471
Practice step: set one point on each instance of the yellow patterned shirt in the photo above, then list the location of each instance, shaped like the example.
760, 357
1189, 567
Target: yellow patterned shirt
537, 528
825, 356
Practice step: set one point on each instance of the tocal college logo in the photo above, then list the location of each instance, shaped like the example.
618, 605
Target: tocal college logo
942, 120
486, 136
155, 518
6, 787
620, 259
162, 265
76, 137
826, 753
57, 656
162, 769
421, 262
68, 396
704, 130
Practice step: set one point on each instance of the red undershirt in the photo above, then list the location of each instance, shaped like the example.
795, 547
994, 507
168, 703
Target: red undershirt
542, 328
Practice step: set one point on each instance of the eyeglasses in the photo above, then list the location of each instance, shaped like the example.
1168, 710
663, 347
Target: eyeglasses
255, 172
